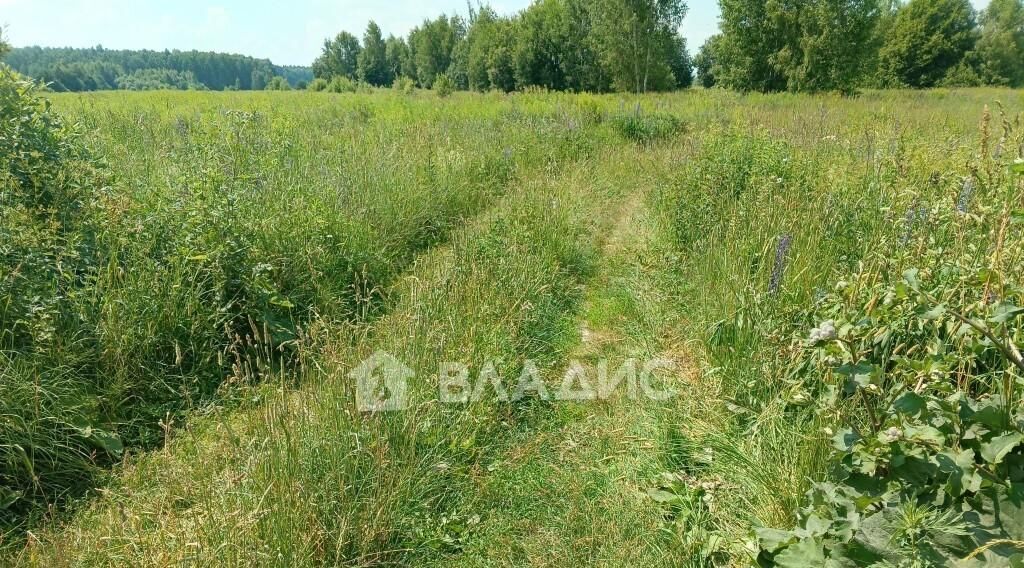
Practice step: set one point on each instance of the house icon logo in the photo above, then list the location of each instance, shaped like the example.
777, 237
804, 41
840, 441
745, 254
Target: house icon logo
382, 383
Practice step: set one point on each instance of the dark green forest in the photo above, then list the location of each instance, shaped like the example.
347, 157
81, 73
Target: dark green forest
96, 68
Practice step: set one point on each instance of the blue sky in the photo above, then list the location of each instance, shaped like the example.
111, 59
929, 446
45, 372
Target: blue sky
285, 31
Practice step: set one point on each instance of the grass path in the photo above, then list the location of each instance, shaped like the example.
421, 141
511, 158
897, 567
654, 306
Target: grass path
571, 490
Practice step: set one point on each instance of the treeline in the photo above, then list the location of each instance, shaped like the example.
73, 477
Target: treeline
843, 45
573, 45
94, 69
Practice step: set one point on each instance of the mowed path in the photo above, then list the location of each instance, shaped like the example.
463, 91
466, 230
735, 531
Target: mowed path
572, 488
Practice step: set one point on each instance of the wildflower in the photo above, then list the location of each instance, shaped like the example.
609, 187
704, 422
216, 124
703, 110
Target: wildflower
824, 332
891, 435
779, 270
965, 195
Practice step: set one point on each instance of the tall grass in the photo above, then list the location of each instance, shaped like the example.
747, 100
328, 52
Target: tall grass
253, 248
229, 229
769, 217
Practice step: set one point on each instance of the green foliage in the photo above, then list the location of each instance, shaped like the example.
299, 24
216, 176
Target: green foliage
575, 45
704, 62
318, 85
372, 62
926, 41
97, 68
489, 52
433, 44
555, 47
638, 42
5, 47
923, 370
1000, 47
278, 84
936, 475
399, 57
340, 58
823, 45
51, 189
160, 79
404, 85
340, 84
444, 86
646, 128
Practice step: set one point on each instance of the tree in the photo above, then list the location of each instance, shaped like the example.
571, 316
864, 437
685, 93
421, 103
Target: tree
680, 63
399, 58
834, 47
928, 40
487, 54
99, 68
432, 45
1000, 50
704, 62
636, 37
555, 47
5, 47
340, 58
372, 60
799, 45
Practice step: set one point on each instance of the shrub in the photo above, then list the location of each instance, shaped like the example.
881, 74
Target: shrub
647, 128
50, 196
444, 86
342, 85
404, 85
920, 368
278, 84
318, 85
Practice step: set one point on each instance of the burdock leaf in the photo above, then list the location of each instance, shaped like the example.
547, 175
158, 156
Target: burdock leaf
995, 451
807, 553
771, 540
1006, 312
662, 496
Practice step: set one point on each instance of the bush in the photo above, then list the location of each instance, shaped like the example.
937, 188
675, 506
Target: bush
278, 84
920, 368
51, 436
444, 86
318, 85
342, 85
404, 85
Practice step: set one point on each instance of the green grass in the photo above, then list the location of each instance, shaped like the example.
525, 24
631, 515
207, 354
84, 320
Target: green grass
257, 247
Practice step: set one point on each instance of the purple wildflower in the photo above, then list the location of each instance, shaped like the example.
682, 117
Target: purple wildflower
781, 257
966, 193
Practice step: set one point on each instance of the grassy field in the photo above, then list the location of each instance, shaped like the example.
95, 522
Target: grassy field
190, 401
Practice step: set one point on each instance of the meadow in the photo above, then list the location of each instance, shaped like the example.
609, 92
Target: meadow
835, 280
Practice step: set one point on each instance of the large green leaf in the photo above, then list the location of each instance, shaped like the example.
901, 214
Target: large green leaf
994, 451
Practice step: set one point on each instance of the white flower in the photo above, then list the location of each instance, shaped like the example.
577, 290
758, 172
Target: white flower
824, 332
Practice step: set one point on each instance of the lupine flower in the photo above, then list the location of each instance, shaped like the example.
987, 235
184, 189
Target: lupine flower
908, 224
779, 270
965, 195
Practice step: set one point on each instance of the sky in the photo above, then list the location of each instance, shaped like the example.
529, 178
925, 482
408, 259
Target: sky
288, 32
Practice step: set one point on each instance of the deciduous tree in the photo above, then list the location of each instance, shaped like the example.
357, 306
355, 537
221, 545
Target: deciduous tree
372, 61
340, 57
928, 39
